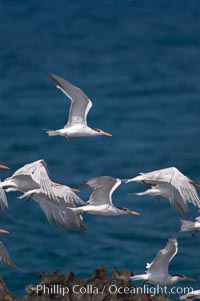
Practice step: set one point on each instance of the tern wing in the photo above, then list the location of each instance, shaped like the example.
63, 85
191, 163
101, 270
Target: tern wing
80, 103
65, 195
161, 262
41, 176
185, 188
3, 200
29, 169
157, 176
103, 189
181, 188
61, 214
60, 194
197, 219
5, 257
191, 296
39, 173
175, 198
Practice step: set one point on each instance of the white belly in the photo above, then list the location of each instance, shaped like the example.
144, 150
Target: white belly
77, 130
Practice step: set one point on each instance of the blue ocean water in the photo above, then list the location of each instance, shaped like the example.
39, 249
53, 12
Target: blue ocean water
139, 63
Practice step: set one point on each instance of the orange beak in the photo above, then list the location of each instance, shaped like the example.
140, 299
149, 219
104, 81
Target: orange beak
75, 190
4, 231
57, 184
134, 213
190, 279
4, 167
106, 134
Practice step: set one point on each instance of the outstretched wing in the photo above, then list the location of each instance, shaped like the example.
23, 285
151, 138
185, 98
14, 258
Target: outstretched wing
39, 173
29, 169
155, 177
80, 103
61, 214
180, 188
59, 210
3, 200
186, 188
161, 262
191, 296
64, 195
5, 257
103, 189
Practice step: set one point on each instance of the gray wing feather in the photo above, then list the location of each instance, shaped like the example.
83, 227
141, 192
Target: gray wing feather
62, 215
5, 257
185, 188
59, 210
3, 200
30, 168
181, 187
80, 103
161, 262
103, 189
157, 176
65, 195
39, 173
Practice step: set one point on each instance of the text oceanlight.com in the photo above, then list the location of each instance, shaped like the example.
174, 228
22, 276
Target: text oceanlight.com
112, 289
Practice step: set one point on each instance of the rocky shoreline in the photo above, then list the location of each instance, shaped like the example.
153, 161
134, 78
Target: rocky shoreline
100, 287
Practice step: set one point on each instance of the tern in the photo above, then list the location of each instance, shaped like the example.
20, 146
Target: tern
157, 271
100, 202
3, 199
4, 256
31, 176
170, 183
59, 210
77, 119
191, 296
189, 226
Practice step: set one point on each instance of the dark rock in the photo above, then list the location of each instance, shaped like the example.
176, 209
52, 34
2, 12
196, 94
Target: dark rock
100, 287
5, 295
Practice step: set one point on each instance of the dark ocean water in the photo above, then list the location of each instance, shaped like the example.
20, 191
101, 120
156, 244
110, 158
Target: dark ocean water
139, 63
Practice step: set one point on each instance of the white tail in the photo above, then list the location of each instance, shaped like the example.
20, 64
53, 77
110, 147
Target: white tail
152, 192
187, 226
139, 277
52, 133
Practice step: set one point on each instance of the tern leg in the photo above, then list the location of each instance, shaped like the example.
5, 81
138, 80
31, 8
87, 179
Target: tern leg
70, 141
29, 197
193, 233
146, 184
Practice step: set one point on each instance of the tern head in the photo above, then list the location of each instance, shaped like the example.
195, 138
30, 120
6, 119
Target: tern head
127, 211
100, 132
4, 231
180, 277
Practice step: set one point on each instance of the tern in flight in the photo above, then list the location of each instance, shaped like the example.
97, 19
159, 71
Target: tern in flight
189, 226
157, 271
77, 119
191, 296
59, 210
171, 184
3, 199
100, 202
31, 176
4, 256
34, 181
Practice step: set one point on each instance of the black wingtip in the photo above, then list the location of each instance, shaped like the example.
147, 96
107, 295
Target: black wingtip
49, 74
85, 184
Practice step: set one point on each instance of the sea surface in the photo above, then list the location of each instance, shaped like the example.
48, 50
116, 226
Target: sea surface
139, 62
